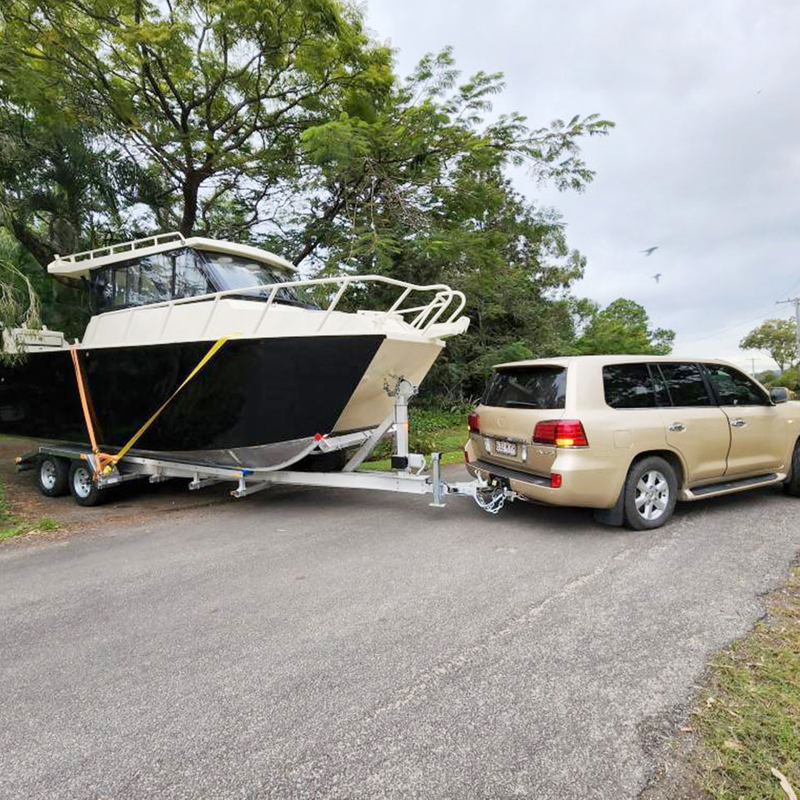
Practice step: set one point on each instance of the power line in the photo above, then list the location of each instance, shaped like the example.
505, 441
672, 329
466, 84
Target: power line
723, 330
727, 328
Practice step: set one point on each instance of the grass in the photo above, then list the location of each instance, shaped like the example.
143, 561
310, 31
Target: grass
431, 430
11, 525
749, 717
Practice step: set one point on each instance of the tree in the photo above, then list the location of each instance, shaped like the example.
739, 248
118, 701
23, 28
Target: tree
424, 197
776, 337
213, 97
623, 327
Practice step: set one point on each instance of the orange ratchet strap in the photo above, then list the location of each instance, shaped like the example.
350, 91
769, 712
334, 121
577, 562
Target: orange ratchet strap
105, 461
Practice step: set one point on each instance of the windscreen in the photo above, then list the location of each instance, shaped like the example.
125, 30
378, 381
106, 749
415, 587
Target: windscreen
527, 387
236, 272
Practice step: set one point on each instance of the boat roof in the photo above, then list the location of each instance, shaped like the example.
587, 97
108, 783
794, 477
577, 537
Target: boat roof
79, 265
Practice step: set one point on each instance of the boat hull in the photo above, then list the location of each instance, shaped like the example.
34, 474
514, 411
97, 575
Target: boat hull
256, 403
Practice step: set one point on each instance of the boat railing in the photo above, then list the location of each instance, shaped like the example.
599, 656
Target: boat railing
443, 307
124, 247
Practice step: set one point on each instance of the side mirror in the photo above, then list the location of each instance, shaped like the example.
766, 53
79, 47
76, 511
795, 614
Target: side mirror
779, 394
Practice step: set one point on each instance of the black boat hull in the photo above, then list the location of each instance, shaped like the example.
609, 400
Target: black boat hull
256, 402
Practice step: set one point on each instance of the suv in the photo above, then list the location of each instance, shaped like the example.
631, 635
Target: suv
631, 435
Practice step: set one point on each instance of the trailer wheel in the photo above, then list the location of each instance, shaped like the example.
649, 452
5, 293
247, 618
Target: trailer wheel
52, 476
82, 485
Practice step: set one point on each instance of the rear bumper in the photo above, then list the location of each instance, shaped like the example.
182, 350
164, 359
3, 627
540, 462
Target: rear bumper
586, 479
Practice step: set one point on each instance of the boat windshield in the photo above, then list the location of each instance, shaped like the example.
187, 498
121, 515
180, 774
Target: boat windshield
238, 272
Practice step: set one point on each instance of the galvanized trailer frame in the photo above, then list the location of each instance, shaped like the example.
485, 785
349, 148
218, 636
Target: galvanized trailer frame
409, 474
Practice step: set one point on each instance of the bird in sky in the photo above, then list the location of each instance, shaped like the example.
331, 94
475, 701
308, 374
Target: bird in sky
650, 250
657, 277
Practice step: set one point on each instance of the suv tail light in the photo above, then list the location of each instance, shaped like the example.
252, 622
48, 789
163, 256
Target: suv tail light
560, 433
474, 422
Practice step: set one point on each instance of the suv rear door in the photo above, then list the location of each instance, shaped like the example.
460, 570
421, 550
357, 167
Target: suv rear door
694, 425
758, 432
516, 398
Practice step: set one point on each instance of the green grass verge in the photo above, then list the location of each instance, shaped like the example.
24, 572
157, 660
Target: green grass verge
449, 441
11, 525
749, 718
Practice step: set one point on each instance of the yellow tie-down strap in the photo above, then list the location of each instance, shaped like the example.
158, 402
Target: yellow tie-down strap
106, 461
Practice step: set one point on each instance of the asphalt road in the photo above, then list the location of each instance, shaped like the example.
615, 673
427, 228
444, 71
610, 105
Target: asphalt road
313, 643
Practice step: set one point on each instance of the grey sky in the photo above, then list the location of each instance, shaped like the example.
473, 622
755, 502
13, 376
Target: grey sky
705, 159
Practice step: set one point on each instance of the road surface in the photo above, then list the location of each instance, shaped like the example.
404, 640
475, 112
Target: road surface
323, 643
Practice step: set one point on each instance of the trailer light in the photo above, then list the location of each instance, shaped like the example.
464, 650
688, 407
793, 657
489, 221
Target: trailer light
555, 480
560, 433
474, 422
466, 456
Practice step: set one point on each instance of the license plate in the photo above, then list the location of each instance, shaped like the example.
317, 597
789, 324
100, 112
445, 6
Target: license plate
505, 448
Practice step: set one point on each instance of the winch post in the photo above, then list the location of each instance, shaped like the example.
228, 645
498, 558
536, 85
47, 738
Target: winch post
436, 480
403, 391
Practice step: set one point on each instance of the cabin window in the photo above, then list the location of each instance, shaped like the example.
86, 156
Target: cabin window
183, 273
152, 279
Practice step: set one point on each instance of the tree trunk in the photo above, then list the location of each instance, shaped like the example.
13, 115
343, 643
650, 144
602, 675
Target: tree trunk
42, 251
191, 188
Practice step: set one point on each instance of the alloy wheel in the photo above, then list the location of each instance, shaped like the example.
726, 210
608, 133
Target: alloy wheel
652, 495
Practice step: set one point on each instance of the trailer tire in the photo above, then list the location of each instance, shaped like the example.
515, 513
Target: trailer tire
82, 485
52, 476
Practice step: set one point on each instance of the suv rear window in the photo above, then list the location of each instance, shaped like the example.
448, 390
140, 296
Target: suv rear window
527, 387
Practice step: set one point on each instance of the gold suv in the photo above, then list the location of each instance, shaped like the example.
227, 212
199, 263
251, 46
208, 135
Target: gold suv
631, 435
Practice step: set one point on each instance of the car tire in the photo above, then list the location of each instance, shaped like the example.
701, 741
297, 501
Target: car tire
82, 485
651, 491
52, 476
792, 484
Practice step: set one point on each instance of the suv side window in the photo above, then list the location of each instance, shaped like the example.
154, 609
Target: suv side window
685, 384
733, 388
628, 386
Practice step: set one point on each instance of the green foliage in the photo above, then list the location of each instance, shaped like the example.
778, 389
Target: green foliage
30, 298
11, 525
776, 337
790, 379
208, 100
432, 428
750, 718
623, 327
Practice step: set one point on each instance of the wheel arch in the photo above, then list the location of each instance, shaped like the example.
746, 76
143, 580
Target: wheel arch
670, 456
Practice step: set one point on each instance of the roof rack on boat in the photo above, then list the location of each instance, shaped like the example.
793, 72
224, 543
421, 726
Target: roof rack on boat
117, 249
80, 264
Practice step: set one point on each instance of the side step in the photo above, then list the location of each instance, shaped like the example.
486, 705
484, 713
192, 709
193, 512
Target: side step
729, 487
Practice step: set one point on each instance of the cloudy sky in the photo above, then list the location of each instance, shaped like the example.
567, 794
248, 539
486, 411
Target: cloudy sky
704, 161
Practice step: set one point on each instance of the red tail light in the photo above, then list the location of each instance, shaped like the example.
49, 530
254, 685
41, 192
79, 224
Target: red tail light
474, 423
560, 433
555, 480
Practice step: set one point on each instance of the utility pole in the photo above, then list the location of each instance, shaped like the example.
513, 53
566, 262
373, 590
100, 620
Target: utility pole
796, 302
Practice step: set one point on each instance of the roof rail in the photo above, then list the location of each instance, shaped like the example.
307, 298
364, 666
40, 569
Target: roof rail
115, 249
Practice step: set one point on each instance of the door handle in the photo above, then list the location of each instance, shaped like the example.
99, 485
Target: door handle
677, 427
738, 423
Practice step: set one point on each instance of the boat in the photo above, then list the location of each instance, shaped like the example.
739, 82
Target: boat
269, 370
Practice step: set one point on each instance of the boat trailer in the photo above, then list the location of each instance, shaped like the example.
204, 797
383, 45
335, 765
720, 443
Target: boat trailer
409, 473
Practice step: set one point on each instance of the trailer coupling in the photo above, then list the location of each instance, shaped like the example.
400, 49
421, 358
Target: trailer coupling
491, 496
